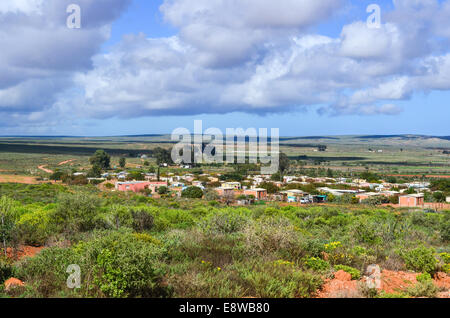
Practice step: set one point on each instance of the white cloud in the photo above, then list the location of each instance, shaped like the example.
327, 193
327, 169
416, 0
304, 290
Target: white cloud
236, 55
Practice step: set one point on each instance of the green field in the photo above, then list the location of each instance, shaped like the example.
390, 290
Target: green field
410, 155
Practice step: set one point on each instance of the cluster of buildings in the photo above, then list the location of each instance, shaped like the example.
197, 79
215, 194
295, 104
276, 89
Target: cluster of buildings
250, 189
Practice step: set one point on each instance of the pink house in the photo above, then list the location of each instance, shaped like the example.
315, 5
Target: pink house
411, 200
138, 186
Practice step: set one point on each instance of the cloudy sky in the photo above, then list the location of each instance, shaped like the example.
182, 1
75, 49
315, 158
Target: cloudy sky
308, 67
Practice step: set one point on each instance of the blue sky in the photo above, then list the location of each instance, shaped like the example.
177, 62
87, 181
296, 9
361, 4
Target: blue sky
159, 69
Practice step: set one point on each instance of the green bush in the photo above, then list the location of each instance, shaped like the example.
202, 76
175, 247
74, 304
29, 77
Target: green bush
316, 264
192, 193
35, 227
423, 289
76, 212
423, 277
278, 281
420, 259
6, 270
224, 222
356, 274
142, 220
113, 264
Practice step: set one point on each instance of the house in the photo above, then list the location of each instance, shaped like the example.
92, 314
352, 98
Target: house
411, 200
338, 192
155, 185
293, 195
235, 185
213, 179
320, 198
258, 193
197, 183
366, 195
138, 186
150, 176
225, 192
289, 179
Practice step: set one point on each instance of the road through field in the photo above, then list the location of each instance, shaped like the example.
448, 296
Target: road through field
42, 167
64, 162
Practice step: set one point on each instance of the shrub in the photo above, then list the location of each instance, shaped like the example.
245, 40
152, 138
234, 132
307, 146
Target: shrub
271, 235
6, 270
35, 227
192, 193
314, 247
273, 281
142, 221
420, 259
316, 264
383, 294
356, 274
224, 222
365, 231
113, 264
423, 289
423, 277
445, 262
76, 212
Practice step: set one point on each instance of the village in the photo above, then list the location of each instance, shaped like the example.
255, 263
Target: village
254, 189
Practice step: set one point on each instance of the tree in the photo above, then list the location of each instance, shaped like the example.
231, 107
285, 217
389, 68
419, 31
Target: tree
329, 173
136, 175
211, 195
192, 193
283, 163
100, 159
270, 187
162, 156
95, 171
57, 175
122, 162
276, 177
439, 197
163, 190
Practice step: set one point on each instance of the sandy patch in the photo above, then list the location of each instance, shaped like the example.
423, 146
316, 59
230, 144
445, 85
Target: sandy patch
6, 178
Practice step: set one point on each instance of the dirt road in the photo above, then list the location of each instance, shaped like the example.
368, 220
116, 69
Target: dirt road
42, 167
65, 162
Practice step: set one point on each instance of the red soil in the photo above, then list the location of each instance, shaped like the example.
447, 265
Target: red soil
391, 282
22, 252
13, 283
341, 286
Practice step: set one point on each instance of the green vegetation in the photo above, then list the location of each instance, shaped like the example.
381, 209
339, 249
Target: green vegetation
133, 246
